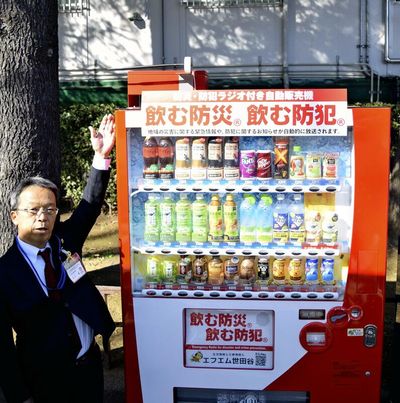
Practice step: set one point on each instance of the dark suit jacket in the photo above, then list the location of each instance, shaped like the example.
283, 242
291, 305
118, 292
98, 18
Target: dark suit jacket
43, 342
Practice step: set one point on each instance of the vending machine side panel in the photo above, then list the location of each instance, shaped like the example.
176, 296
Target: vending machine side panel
133, 387
350, 368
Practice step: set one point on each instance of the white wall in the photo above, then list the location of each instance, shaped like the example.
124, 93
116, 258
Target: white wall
318, 32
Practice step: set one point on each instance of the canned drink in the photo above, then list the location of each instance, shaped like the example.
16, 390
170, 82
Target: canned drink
264, 169
311, 270
296, 272
328, 271
263, 269
278, 271
248, 164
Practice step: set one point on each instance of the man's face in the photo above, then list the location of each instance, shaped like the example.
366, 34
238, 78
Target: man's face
35, 229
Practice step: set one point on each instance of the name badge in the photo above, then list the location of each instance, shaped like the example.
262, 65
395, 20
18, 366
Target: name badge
74, 267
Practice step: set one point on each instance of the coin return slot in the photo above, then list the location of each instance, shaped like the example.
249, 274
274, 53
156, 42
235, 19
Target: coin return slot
316, 338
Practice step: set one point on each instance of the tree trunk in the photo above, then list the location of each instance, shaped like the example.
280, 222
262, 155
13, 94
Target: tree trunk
29, 114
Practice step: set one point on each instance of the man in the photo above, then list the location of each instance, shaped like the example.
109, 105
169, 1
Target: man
46, 297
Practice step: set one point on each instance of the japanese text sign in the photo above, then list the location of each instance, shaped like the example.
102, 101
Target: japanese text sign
311, 112
239, 339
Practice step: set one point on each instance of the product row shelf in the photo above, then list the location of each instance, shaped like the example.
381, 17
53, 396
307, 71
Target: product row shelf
211, 250
259, 292
239, 186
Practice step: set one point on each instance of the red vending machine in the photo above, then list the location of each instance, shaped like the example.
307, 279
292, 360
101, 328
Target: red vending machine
253, 228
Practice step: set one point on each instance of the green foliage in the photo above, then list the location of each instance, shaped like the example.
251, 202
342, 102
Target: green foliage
77, 152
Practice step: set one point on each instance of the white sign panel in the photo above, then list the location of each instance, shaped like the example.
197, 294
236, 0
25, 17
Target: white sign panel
239, 339
314, 112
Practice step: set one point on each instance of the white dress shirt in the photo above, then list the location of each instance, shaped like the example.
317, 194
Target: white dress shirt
36, 263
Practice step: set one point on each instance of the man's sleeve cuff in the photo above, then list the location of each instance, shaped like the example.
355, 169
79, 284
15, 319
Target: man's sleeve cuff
100, 163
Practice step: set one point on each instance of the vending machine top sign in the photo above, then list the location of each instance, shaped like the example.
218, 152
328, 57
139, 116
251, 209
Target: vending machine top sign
311, 112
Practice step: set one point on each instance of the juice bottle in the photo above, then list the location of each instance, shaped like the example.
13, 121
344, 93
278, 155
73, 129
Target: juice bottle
231, 231
297, 165
313, 166
264, 219
215, 162
167, 219
183, 210
280, 231
215, 231
182, 158
297, 230
248, 219
150, 158
152, 219
166, 158
216, 271
199, 159
199, 219
231, 158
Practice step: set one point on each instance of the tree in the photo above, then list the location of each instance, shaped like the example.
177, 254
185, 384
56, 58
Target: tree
29, 114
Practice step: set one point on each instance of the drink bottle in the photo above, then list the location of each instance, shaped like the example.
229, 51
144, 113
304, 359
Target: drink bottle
183, 211
264, 219
166, 158
152, 219
150, 158
281, 158
199, 219
153, 270
297, 230
216, 271
199, 159
280, 231
215, 161
247, 215
200, 270
167, 219
231, 158
169, 269
182, 158
297, 165
231, 228
215, 225
184, 270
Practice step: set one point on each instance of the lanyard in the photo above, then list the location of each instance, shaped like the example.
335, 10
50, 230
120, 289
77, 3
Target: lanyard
61, 281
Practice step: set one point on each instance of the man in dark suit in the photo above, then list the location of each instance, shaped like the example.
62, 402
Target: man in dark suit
46, 297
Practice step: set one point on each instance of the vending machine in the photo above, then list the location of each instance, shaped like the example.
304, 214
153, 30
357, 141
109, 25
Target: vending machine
253, 229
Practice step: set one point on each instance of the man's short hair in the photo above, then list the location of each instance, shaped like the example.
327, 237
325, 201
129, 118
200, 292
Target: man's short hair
32, 181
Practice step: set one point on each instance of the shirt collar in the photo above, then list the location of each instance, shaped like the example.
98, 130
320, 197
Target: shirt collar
30, 250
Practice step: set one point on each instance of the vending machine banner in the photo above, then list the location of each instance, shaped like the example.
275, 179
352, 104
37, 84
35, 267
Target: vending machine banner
314, 112
239, 339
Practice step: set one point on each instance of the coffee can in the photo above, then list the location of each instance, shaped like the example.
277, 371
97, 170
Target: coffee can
263, 162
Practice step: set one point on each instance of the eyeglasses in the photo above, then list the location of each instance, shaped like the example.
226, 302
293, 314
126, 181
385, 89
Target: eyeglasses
34, 211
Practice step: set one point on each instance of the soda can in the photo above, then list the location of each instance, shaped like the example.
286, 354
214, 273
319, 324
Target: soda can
264, 160
328, 271
311, 270
248, 164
